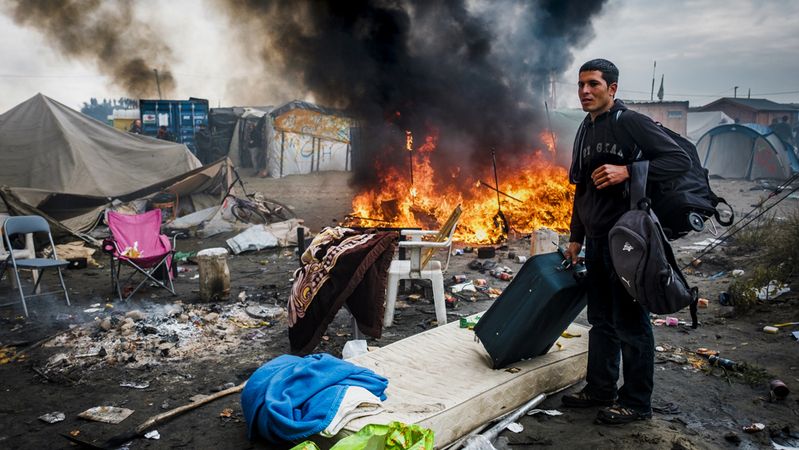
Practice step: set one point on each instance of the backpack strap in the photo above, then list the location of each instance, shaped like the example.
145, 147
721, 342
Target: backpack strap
626, 136
637, 186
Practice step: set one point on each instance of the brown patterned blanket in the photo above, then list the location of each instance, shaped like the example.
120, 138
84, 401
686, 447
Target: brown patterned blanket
341, 266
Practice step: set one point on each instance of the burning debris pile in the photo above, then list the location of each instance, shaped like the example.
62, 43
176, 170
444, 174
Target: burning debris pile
533, 192
141, 339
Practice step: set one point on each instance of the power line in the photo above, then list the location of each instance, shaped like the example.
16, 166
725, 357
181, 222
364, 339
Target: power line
49, 76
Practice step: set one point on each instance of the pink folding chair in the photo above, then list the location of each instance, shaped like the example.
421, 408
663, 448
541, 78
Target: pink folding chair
142, 231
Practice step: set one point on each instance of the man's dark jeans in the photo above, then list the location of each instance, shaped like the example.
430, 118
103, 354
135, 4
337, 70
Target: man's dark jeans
619, 326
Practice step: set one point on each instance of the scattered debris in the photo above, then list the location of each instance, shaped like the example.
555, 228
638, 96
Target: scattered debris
770, 329
107, 414
772, 290
467, 286
467, 323
737, 273
778, 389
354, 348
515, 427
154, 435
725, 299
135, 385
548, 412
53, 417
754, 428
265, 312
226, 413
702, 303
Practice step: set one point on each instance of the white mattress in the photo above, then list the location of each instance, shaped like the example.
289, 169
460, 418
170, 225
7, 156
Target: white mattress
442, 379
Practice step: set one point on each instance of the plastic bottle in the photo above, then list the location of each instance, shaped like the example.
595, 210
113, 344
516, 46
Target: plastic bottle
725, 363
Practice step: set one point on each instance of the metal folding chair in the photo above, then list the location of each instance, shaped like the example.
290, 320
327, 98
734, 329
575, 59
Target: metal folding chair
24, 225
142, 231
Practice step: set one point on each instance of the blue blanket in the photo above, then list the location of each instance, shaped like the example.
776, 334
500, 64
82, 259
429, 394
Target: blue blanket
291, 398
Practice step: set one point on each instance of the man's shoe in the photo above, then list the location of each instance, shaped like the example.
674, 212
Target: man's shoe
619, 415
583, 399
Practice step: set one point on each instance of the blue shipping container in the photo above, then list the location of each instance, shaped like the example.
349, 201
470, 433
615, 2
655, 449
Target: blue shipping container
182, 118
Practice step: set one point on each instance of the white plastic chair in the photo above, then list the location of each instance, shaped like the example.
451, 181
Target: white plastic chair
419, 266
28, 252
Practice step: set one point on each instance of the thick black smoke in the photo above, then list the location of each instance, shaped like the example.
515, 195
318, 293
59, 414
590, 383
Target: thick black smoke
105, 33
473, 71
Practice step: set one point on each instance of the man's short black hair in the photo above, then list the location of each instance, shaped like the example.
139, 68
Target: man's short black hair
610, 73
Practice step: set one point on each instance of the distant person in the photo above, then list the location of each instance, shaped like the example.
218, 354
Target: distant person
164, 134
135, 127
783, 130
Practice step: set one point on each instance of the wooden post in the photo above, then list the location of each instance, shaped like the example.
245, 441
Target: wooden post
543, 240
214, 274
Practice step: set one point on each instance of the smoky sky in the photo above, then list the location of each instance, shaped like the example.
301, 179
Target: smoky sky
107, 34
473, 72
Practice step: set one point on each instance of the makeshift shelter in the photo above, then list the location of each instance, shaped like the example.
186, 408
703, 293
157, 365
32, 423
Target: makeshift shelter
222, 123
247, 145
700, 123
68, 167
748, 151
302, 138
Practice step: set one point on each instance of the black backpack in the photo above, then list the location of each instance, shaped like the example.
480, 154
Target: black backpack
685, 202
642, 257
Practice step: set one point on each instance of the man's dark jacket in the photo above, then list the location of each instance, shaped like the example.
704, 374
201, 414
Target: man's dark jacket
618, 140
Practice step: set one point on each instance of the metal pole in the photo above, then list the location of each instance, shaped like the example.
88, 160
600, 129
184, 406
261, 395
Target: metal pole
652, 92
409, 147
551, 132
483, 441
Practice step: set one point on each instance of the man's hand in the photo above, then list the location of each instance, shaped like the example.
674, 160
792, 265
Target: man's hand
573, 252
608, 175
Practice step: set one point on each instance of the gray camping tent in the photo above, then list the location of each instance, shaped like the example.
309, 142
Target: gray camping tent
46, 145
747, 151
69, 167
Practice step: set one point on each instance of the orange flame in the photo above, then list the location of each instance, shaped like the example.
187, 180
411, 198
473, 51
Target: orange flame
542, 189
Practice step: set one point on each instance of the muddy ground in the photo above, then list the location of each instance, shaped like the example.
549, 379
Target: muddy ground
174, 348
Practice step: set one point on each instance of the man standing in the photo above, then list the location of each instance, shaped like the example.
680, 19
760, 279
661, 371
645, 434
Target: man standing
610, 138
783, 130
135, 127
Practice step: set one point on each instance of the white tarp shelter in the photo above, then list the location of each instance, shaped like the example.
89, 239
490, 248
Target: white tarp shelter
700, 123
304, 138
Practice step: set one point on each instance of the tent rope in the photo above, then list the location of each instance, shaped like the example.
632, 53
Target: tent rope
735, 228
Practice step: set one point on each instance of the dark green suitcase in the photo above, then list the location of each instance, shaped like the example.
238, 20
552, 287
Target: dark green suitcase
532, 312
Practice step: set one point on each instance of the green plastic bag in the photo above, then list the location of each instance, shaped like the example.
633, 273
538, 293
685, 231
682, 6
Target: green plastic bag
394, 436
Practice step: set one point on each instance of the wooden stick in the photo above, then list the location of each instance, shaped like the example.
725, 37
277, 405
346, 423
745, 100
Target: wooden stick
163, 417
155, 420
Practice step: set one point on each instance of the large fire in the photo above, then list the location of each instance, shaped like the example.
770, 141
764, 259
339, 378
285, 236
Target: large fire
534, 193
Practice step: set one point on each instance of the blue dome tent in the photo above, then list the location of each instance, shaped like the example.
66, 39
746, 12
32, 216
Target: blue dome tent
748, 151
